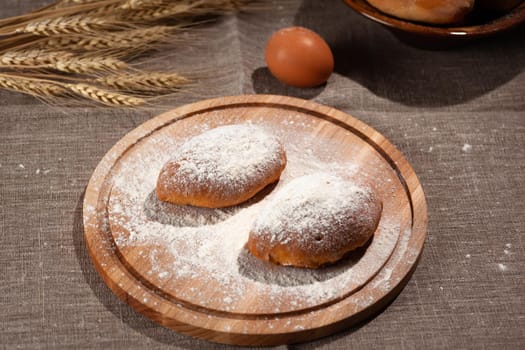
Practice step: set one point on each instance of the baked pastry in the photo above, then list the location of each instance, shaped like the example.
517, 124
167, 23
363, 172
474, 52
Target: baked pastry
314, 220
428, 11
222, 167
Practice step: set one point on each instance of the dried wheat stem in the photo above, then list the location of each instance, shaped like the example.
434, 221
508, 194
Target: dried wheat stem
205, 6
16, 42
134, 39
24, 17
61, 61
144, 82
84, 65
152, 14
64, 25
65, 3
32, 57
181, 8
48, 89
51, 11
218, 5
110, 10
35, 87
104, 96
88, 36
140, 4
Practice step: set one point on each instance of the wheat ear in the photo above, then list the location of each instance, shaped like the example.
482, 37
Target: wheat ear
140, 4
32, 57
156, 13
64, 25
83, 65
51, 11
105, 97
65, 3
50, 89
110, 10
31, 86
206, 6
180, 8
134, 39
144, 82
61, 61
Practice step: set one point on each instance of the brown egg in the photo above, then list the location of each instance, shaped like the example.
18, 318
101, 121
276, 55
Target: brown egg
299, 57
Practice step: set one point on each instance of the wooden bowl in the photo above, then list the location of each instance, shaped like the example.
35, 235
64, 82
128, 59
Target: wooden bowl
427, 36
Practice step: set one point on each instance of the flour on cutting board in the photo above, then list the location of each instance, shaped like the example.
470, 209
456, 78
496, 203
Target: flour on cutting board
209, 244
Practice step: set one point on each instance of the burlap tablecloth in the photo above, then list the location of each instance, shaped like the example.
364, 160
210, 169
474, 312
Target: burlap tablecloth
458, 116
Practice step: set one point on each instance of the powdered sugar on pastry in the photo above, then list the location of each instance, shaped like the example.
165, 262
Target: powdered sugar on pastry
314, 220
222, 167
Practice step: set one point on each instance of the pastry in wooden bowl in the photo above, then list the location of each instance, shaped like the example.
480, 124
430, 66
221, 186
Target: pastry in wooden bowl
315, 220
222, 167
428, 11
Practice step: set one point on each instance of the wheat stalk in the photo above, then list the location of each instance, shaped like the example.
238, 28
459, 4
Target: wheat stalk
48, 89
134, 39
87, 37
146, 82
64, 25
105, 97
84, 65
60, 60
180, 8
32, 57
217, 6
10, 24
110, 10
154, 9
153, 14
65, 3
140, 4
32, 86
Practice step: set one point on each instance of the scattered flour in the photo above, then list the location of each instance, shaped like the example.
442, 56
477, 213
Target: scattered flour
208, 245
466, 147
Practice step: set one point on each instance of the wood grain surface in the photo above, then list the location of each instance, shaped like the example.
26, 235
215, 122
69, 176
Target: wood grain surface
196, 306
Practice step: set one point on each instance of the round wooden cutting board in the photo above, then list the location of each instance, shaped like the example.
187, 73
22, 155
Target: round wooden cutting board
188, 269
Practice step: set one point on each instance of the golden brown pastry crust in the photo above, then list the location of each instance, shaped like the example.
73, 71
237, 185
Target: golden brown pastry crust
222, 167
315, 220
428, 11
